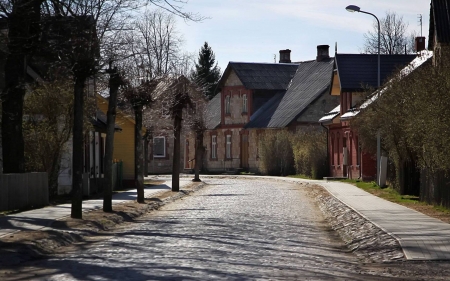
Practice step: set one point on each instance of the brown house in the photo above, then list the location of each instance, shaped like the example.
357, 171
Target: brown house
258, 97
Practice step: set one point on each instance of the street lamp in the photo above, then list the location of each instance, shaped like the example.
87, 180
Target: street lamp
354, 8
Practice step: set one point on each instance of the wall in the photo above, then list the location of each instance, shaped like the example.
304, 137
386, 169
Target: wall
123, 140
318, 108
18, 191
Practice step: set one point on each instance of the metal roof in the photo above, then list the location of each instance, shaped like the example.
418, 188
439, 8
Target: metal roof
440, 21
360, 71
212, 112
262, 76
311, 80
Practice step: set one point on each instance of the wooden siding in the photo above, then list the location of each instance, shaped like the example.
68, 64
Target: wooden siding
123, 141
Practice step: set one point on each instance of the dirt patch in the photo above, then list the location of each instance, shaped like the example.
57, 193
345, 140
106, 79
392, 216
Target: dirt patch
28, 245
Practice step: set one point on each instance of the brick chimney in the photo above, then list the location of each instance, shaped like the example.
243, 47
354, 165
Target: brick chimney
323, 52
419, 44
285, 56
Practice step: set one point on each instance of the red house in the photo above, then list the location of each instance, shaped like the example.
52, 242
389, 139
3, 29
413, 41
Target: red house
353, 74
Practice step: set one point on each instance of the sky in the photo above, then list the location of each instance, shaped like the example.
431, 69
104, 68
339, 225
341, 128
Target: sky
256, 30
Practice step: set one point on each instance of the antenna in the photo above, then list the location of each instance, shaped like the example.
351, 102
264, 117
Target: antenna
420, 23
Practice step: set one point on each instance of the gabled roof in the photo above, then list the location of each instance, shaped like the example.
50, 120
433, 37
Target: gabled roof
261, 76
312, 79
439, 22
212, 112
425, 56
359, 71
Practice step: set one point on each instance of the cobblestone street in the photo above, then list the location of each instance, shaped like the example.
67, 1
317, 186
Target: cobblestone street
230, 230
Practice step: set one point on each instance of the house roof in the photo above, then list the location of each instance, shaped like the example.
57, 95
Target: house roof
331, 115
359, 71
439, 21
261, 76
212, 112
100, 122
413, 65
312, 79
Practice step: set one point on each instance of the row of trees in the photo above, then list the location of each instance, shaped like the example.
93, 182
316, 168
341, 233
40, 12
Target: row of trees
81, 39
413, 120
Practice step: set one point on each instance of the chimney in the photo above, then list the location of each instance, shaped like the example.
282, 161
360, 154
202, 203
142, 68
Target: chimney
323, 52
419, 44
285, 56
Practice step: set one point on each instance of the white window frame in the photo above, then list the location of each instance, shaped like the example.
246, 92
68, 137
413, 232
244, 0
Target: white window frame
228, 147
244, 103
214, 147
228, 104
164, 146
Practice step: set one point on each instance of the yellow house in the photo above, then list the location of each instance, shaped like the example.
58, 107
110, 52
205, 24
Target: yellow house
123, 141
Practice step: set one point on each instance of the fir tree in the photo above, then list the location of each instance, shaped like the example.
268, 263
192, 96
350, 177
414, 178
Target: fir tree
207, 73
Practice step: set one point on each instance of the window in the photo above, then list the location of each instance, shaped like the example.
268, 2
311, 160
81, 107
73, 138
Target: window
358, 153
214, 147
159, 147
228, 147
332, 149
244, 103
227, 104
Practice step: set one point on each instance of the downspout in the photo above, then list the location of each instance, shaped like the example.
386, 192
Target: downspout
328, 153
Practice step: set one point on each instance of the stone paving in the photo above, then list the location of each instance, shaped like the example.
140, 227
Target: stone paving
40, 218
232, 229
421, 237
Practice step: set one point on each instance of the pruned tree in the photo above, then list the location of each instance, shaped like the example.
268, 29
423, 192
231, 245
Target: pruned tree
139, 97
394, 37
115, 81
207, 72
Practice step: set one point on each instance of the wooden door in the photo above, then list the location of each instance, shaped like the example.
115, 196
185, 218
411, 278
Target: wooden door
244, 151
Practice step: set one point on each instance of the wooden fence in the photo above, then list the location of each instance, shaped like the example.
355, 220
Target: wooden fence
19, 191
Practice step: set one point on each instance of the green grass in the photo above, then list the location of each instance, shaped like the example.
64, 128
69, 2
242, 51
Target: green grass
299, 177
387, 193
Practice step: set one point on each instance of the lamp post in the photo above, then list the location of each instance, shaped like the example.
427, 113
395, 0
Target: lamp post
354, 8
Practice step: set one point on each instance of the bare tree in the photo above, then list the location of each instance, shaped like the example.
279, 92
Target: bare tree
24, 22
393, 36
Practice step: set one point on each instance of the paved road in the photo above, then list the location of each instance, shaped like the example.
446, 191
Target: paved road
233, 229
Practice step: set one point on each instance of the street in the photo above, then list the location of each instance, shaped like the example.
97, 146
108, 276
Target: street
232, 229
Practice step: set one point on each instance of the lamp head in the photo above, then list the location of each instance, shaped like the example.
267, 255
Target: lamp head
352, 8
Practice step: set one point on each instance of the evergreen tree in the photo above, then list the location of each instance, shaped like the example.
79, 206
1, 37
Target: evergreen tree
207, 73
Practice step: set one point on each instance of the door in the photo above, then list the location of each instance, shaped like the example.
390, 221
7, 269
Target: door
244, 151
186, 156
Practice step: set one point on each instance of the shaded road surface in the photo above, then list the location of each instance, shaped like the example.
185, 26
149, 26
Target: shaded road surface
230, 230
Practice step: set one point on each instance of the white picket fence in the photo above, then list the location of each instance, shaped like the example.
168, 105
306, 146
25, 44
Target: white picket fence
19, 191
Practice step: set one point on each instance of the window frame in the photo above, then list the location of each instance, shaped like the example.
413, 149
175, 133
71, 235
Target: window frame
244, 103
164, 146
228, 142
214, 147
228, 104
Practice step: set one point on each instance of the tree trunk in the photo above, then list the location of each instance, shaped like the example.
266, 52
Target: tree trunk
198, 155
114, 84
138, 155
77, 150
176, 152
12, 100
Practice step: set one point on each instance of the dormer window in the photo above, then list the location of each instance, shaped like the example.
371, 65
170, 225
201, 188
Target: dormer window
227, 104
244, 103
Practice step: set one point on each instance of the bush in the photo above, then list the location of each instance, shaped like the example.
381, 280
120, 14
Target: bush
275, 152
310, 153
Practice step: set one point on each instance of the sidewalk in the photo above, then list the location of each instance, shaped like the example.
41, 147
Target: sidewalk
421, 237
43, 218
